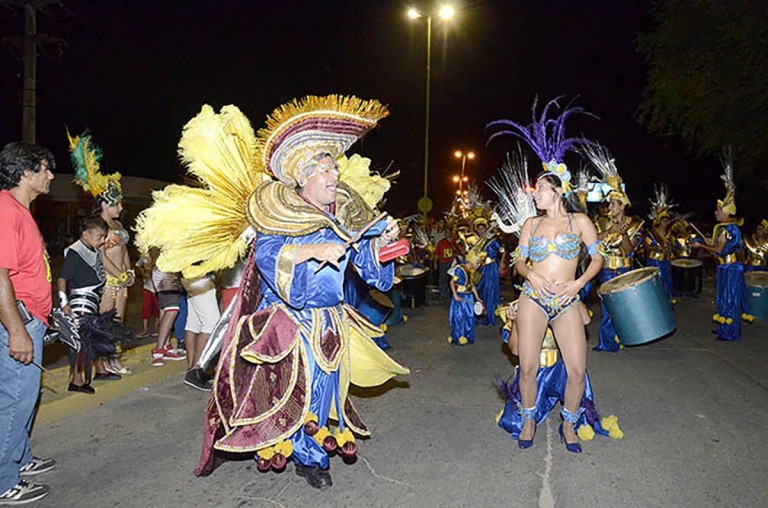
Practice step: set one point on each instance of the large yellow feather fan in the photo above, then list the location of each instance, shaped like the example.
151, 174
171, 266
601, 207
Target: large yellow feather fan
199, 230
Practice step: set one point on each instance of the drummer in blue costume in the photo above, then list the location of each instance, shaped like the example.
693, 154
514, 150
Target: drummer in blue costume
461, 314
619, 235
756, 249
548, 258
489, 286
726, 244
658, 240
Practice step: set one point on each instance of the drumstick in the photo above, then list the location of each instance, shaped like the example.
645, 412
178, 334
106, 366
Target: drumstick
697, 230
357, 236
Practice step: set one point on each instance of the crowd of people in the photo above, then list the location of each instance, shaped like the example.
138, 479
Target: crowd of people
279, 285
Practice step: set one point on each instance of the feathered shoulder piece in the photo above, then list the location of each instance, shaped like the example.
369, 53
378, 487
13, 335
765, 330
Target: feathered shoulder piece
205, 228
514, 193
276, 209
86, 160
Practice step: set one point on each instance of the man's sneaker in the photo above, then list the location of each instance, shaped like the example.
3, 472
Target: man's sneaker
22, 493
173, 354
36, 466
158, 355
196, 379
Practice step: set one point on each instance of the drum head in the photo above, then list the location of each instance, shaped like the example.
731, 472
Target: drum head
686, 263
628, 280
479, 308
406, 271
381, 299
756, 279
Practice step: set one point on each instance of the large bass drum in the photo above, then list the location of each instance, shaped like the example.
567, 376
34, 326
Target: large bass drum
414, 284
686, 276
638, 307
757, 293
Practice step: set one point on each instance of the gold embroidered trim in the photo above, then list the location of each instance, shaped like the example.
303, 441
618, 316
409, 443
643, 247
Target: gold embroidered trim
315, 335
286, 261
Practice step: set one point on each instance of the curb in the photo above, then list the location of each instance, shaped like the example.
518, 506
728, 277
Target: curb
72, 403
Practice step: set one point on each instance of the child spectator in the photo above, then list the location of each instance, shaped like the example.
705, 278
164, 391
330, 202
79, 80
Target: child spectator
149, 306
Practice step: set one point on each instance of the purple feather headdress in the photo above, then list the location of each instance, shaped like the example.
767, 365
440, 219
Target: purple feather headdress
545, 136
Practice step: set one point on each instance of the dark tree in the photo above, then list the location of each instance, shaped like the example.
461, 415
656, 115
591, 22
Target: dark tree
708, 77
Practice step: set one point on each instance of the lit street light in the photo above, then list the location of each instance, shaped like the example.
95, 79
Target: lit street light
446, 12
462, 178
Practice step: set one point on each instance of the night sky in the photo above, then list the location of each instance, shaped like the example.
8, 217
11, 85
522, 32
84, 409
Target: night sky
134, 72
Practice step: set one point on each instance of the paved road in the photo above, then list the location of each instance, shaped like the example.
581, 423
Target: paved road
694, 412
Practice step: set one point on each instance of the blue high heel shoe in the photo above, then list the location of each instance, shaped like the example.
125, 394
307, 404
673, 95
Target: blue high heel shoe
527, 414
570, 418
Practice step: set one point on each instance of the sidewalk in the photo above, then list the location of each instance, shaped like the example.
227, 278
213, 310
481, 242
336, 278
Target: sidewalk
56, 402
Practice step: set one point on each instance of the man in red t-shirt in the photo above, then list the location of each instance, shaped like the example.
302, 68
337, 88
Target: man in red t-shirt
25, 276
445, 255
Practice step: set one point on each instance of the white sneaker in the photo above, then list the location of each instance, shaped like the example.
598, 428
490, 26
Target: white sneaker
22, 493
36, 466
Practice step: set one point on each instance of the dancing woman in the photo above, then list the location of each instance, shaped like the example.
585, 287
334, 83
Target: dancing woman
548, 257
552, 242
108, 194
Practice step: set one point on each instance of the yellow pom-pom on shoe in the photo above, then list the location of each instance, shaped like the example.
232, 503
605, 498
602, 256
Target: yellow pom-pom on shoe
616, 433
383, 327
586, 433
450, 340
749, 318
285, 448
611, 424
266, 453
463, 341
405, 319
321, 435
344, 437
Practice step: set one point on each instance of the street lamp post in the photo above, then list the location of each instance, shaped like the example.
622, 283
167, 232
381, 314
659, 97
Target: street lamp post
463, 156
445, 12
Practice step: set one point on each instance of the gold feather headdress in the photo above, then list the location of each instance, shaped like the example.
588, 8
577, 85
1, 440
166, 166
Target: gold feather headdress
301, 129
728, 203
601, 159
662, 205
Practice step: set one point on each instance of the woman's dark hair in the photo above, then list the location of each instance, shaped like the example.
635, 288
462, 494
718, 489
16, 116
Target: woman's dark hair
21, 156
94, 221
571, 201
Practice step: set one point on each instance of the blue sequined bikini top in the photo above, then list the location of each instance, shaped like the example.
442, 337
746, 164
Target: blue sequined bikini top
565, 245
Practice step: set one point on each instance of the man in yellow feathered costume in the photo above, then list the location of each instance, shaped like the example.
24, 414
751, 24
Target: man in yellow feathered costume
292, 346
